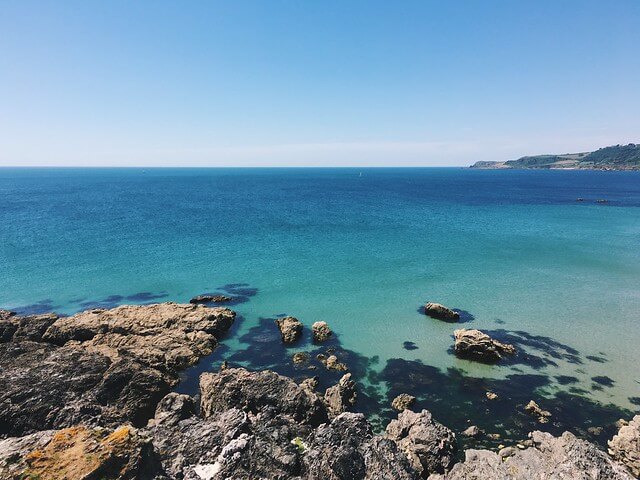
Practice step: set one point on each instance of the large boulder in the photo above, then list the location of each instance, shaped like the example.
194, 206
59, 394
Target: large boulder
290, 329
263, 392
625, 446
402, 402
100, 367
550, 458
341, 397
477, 345
347, 449
430, 446
321, 331
439, 311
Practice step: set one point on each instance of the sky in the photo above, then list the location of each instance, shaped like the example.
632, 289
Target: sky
314, 83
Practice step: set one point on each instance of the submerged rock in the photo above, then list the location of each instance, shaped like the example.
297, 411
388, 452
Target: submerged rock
625, 446
430, 446
341, 397
472, 432
534, 409
332, 363
209, 298
300, 358
550, 458
402, 402
321, 331
100, 367
477, 345
441, 312
290, 329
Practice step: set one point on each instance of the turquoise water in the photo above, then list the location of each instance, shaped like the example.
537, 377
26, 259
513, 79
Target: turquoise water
361, 249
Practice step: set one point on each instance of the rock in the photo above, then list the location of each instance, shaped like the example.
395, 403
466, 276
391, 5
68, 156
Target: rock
341, 397
332, 363
491, 395
300, 358
595, 431
101, 367
441, 312
506, 452
290, 329
430, 446
259, 392
494, 436
346, 449
477, 345
209, 298
310, 383
80, 452
625, 446
534, 409
321, 331
551, 458
14, 451
472, 432
403, 401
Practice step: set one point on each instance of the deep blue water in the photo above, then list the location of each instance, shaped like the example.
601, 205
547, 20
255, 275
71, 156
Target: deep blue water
361, 249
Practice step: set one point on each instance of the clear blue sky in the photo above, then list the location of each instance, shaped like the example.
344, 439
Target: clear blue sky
314, 82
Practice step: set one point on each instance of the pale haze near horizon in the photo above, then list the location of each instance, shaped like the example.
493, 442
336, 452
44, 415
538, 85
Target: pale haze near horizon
252, 83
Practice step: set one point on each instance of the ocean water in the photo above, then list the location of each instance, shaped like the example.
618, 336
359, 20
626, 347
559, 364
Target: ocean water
362, 249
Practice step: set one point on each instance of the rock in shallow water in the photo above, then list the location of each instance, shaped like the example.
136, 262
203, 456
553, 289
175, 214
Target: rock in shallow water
402, 402
290, 329
441, 312
477, 345
321, 331
625, 446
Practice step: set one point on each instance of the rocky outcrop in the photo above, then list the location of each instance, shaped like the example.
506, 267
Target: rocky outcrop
402, 402
99, 367
347, 449
290, 329
341, 397
82, 453
472, 432
625, 446
441, 312
430, 446
477, 345
331, 363
550, 458
259, 392
534, 409
209, 298
321, 331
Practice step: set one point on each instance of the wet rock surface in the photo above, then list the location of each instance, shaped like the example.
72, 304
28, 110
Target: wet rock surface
403, 402
564, 457
321, 331
100, 367
476, 345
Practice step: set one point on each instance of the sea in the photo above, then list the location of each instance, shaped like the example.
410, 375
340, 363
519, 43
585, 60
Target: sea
546, 260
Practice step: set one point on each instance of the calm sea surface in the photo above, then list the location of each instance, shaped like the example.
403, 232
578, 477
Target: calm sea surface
362, 249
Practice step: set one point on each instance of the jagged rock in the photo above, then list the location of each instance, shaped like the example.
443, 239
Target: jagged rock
208, 298
551, 458
430, 446
259, 392
310, 383
14, 451
321, 331
300, 358
477, 345
332, 363
625, 446
346, 449
290, 329
441, 312
472, 432
534, 409
100, 367
403, 401
341, 396
84, 453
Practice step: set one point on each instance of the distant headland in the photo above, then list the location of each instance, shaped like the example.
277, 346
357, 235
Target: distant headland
616, 157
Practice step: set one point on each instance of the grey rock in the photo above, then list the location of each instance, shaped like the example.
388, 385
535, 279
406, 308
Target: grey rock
402, 402
436, 310
472, 432
430, 446
209, 298
321, 331
477, 345
341, 397
625, 446
290, 329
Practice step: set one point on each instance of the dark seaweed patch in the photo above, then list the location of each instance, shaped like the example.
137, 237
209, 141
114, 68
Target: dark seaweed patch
597, 359
635, 400
603, 380
409, 345
566, 379
146, 296
43, 306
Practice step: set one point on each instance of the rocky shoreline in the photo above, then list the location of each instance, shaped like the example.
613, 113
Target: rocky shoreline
90, 396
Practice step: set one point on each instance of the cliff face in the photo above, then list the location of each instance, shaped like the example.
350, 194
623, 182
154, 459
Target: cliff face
616, 157
89, 397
